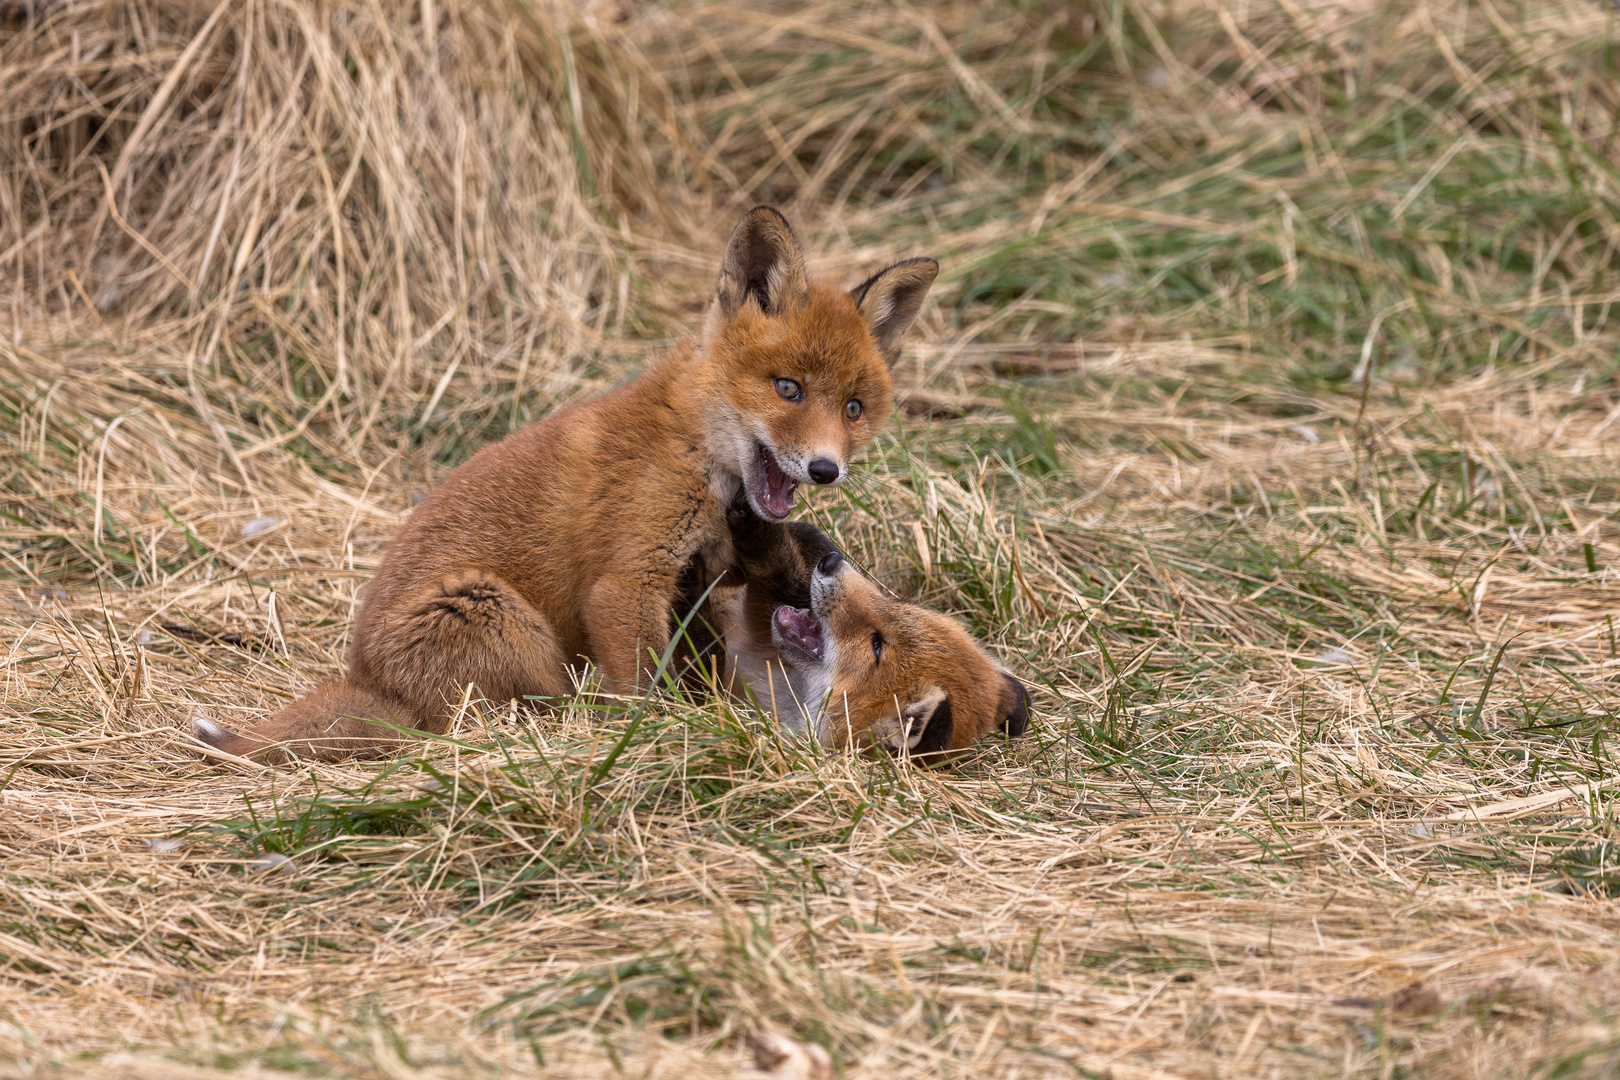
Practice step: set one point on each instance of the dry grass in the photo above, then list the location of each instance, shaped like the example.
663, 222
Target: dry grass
1265, 418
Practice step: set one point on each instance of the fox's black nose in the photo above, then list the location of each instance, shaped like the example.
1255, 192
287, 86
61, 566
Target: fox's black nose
830, 562
823, 471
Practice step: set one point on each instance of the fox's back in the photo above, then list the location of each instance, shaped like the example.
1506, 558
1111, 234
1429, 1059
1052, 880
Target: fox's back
548, 506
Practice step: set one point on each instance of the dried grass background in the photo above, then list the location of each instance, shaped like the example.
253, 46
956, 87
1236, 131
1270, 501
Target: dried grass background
1264, 418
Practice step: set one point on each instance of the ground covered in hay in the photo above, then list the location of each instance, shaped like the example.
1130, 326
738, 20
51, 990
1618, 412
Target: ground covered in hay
1264, 419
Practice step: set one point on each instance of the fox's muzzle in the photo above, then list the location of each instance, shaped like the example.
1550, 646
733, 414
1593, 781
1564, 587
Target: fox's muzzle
824, 584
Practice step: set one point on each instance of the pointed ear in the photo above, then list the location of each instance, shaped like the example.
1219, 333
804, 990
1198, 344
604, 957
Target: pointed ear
890, 299
931, 726
763, 261
1014, 707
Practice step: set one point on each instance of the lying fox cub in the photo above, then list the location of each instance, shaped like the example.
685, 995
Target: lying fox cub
569, 539
829, 655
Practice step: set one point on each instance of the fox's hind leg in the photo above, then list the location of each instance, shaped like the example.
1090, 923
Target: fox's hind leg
471, 627
411, 662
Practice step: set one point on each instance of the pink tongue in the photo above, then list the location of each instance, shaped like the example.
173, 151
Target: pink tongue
799, 628
778, 489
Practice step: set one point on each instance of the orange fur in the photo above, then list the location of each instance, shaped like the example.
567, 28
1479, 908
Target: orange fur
567, 540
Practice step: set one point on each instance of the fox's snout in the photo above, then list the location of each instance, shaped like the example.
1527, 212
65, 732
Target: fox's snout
824, 583
823, 466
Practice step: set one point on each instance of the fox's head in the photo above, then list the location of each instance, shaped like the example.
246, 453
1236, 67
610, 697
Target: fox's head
891, 673
800, 368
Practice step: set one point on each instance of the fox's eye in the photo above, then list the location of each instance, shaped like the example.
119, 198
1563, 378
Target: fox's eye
877, 647
790, 390
854, 409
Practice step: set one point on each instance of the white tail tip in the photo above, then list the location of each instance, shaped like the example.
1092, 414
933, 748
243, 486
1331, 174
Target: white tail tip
208, 731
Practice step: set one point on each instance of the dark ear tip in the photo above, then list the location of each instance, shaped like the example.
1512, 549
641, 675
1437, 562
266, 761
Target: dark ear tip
920, 266
763, 215
1016, 722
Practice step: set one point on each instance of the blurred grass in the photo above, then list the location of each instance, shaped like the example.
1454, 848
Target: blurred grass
1262, 420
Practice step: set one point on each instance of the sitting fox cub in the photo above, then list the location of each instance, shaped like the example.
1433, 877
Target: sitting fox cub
828, 654
569, 538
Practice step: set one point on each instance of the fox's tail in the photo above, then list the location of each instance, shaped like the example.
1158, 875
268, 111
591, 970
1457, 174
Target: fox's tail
334, 722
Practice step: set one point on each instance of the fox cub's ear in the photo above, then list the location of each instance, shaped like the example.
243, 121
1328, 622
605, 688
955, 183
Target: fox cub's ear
1014, 707
890, 299
929, 727
763, 260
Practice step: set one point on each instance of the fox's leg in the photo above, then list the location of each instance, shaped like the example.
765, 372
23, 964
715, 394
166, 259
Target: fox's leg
410, 664
466, 627
328, 724
628, 626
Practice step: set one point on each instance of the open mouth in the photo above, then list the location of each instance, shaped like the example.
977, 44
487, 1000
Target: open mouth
799, 630
773, 489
